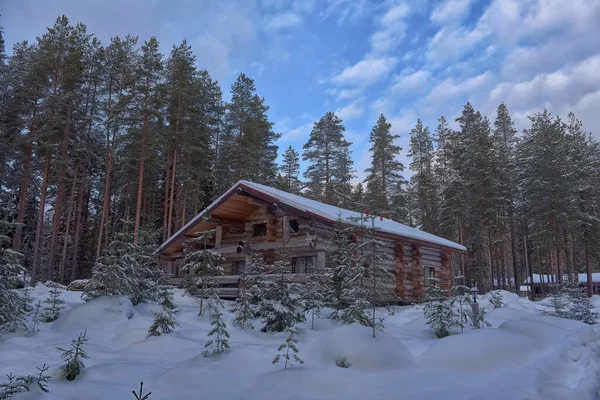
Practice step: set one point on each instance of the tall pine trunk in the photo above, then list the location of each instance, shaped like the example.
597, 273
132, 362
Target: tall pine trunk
63, 258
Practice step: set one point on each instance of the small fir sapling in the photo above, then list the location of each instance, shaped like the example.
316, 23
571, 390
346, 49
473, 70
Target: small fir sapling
220, 337
438, 312
284, 349
73, 357
141, 395
461, 303
20, 384
477, 319
164, 321
244, 309
54, 305
496, 299
312, 296
36, 318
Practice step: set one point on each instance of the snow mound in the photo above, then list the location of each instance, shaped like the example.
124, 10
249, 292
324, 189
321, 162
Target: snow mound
353, 346
573, 372
148, 309
542, 331
100, 311
78, 285
479, 350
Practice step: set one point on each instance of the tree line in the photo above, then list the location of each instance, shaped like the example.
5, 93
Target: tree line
101, 140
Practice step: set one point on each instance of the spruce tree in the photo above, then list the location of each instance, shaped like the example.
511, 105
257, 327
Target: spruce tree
220, 341
20, 384
340, 258
280, 305
164, 321
438, 312
73, 357
421, 151
385, 172
285, 348
312, 295
330, 167
290, 169
54, 305
203, 264
243, 308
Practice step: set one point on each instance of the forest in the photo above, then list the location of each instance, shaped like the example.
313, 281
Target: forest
101, 140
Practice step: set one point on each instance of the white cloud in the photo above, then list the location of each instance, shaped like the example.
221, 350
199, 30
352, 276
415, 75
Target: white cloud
451, 87
366, 71
451, 11
350, 111
407, 82
282, 21
343, 94
392, 29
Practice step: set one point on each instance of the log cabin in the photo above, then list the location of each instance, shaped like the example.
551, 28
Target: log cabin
250, 218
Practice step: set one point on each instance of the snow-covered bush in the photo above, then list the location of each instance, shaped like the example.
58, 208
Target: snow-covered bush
284, 350
19, 384
54, 305
73, 357
220, 337
578, 306
438, 311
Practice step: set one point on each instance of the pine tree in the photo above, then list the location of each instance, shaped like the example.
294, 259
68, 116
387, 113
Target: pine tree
340, 258
243, 308
20, 384
312, 295
164, 321
73, 357
220, 342
578, 306
280, 305
54, 305
496, 299
290, 344
13, 304
460, 304
330, 166
36, 318
290, 169
421, 151
438, 312
204, 266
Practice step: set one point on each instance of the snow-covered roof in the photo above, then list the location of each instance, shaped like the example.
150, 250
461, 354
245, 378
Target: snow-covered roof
324, 211
581, 278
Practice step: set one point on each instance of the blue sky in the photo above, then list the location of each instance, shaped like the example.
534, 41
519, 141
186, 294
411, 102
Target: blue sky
406, 58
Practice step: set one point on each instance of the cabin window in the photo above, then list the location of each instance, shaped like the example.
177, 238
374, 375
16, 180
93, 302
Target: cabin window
430, 278
304, 265
239, 267
260, 229
294, 226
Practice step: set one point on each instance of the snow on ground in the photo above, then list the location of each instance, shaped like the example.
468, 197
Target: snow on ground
524, 355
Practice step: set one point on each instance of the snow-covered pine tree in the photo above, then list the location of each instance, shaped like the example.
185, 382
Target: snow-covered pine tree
116, 272
280, 305
579, 306
243, 308
438, 312
284, 349
73, 357
220, 337
36, 318
20, 384
339, 260
149, 275
13, 304
54, 305
376, 281
496, 299
461, 302
164, 321
203, 265
312, 295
